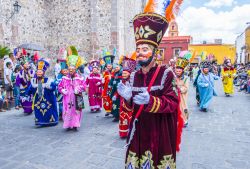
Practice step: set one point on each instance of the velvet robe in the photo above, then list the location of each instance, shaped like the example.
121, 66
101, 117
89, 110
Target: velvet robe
23, 82
44, 106
155, 139
107, 102
94, 83
71, 116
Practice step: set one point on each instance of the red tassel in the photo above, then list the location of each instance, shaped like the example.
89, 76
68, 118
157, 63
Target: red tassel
180, 125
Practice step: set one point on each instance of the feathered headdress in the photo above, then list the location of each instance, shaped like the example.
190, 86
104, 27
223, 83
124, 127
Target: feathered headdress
150, 26
183, 59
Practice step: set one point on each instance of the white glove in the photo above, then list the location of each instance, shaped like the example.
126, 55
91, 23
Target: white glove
206, 85
48, 86
76, 91
98, 83
124, 91
142, 98
114, 98
64, 91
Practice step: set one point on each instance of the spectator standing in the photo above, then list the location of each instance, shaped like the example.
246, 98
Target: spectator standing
57, 68
7, 80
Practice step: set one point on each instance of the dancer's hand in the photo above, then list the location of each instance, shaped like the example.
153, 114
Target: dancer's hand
142, 98
64, 91
124, 91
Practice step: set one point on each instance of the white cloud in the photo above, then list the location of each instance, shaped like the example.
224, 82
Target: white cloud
205, 24
220, 3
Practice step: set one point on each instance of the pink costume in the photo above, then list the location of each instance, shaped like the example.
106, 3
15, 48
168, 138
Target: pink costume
76, 85
94, 81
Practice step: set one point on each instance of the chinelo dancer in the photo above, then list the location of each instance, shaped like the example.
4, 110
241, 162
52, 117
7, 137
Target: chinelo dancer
182, 82
23, 82
94, 87
152, 95
128, 66
44, 100
71, 87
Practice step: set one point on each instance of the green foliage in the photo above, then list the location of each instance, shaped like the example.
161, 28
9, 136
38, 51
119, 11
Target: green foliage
4, 51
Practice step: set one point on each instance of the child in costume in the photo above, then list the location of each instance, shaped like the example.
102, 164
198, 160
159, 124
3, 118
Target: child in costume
94, 83
206, 85
71, 87
182, 82
44, 100
128, 66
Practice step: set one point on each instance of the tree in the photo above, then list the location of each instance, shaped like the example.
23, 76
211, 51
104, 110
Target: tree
4, 51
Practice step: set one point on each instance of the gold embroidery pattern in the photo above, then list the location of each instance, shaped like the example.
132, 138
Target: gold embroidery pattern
146, 161
167, 163
132, 161
43, 105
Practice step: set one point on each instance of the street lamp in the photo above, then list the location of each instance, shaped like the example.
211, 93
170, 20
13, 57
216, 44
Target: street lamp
17, 8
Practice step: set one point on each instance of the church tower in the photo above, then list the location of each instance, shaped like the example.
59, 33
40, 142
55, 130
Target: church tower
173, 29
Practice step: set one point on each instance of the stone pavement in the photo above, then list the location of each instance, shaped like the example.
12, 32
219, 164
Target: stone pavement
218, 139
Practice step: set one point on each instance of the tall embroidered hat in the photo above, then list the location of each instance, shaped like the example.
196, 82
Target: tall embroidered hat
183, 59
129, 63
42, 65
108, 58
151, 25
72, 57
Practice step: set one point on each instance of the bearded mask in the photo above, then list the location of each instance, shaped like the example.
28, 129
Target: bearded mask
144, 54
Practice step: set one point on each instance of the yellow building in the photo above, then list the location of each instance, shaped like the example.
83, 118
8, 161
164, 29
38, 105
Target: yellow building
217, 51
247, 33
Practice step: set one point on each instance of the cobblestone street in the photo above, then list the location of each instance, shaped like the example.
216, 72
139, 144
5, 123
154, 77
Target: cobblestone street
218, 139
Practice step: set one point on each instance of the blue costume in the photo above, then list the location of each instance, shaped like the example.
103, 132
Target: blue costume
206, 88
44, 100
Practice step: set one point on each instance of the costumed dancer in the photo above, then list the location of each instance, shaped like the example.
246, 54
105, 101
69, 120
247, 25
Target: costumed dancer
107, 102
94, 87
182, 82
59, 96
128, 66
23, 82
228, 73
152, 95
71, 87
205, 84
44, 100
115, 80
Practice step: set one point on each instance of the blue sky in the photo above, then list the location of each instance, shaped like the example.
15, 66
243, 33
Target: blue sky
211, 19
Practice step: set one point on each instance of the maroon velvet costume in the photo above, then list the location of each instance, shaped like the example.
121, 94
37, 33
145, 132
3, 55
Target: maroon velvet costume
154, 141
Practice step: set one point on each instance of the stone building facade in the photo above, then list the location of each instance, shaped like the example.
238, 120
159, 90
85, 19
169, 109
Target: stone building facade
90, 25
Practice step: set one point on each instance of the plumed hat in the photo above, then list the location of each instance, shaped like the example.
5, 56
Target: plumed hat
150, 26
73, 60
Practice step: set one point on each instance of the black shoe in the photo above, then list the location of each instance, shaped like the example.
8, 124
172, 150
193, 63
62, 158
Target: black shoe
107, 114
204, 110
75, 128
